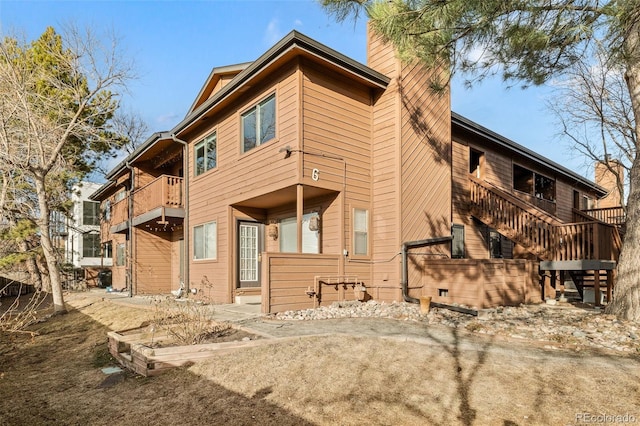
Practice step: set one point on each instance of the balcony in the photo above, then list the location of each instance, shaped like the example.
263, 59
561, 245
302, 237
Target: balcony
155, 205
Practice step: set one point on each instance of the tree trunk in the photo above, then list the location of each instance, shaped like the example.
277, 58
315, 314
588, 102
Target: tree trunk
47, 247
626, 299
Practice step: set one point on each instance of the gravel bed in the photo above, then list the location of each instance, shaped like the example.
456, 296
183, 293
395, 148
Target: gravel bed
562, 325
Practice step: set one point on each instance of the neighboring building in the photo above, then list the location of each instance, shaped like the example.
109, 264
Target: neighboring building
77, 236
305, 177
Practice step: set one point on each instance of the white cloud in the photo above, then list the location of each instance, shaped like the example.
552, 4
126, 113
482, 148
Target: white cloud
170, 118
273, 33
297, 23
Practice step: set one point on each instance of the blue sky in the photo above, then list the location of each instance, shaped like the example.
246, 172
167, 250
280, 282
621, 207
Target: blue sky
176, 43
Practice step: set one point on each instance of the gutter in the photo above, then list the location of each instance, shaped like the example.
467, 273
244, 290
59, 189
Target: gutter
185, 175
408, 245
130, 220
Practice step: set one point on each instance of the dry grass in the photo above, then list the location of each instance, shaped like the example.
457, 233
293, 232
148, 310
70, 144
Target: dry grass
55, 378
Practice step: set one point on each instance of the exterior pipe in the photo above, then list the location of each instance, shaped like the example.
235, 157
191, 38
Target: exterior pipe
185, 175
130, 208
406, 246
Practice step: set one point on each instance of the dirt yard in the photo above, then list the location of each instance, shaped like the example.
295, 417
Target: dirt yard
444, 377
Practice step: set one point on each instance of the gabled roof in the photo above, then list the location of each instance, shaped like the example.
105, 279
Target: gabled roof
140, 149
216, 74
509, 145
291, 42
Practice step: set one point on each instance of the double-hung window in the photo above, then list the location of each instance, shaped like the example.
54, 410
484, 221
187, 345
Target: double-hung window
360, 232
205, 241
206, 154
259, 124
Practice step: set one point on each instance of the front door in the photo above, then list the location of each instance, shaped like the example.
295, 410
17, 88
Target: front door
249, 249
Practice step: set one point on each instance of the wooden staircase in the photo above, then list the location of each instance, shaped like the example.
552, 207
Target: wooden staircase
586, 245
539, 232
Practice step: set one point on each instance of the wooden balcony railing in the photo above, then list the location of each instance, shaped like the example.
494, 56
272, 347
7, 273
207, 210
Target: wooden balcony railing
119, 211
164, 191
610, 215
537, 231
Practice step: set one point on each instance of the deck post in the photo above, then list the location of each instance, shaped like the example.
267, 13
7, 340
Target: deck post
596, 286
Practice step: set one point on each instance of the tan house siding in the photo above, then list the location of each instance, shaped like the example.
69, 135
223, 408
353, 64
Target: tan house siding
337, 141
564, 201
153, 272
239, 177
385, 152
474, 232
426, 163
481, 283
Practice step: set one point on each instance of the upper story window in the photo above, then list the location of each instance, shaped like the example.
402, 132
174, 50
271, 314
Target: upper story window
120, 195
90, 213
106, 208
540, 186
259, 124
206, 154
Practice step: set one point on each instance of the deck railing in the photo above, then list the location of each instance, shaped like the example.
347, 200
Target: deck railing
542, 234
164, 191
610, 215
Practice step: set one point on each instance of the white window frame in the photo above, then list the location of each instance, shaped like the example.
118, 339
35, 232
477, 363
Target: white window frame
205, 241
257, 110
205, 144
360, 230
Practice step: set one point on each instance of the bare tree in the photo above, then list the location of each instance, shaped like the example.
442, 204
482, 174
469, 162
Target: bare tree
58, 96
593, 109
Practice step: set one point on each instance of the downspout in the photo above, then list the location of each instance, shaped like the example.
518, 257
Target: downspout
185, 175
130, 223
406, 246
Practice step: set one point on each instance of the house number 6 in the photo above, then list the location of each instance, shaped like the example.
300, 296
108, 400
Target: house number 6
315, 174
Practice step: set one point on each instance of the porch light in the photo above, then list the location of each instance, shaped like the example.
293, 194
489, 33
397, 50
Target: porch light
314, 223
272, 231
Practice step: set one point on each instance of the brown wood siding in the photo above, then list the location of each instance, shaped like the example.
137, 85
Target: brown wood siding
564, 201
482, 283
288, 276
385, 152
425, 162
152, 271
337, 123
240, 176
498, 170
475, 244
337, 119
118, 273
